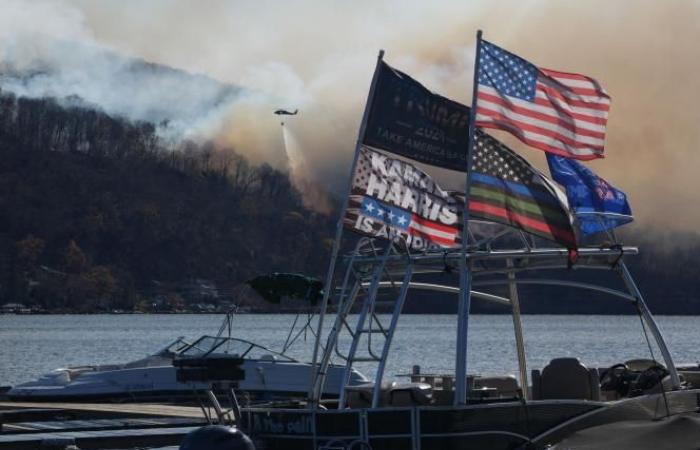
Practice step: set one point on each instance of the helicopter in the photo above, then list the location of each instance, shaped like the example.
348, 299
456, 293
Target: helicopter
284, 112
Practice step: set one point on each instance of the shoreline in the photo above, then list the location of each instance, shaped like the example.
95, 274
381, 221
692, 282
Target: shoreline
263, 313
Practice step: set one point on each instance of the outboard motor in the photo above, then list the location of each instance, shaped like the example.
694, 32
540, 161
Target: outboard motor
217, 437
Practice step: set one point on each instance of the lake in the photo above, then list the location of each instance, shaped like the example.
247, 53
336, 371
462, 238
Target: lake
33, 344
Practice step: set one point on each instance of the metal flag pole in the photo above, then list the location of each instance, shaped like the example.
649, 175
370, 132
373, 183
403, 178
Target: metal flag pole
465, 277
328, 286
517, 327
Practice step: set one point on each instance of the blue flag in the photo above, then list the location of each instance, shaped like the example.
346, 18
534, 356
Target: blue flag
598, 205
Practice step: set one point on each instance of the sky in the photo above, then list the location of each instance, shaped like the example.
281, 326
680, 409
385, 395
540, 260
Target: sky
319, 56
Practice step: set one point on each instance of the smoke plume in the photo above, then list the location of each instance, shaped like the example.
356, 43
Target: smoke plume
319, 56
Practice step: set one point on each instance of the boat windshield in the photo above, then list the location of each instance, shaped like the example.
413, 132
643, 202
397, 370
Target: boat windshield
211, 345
174, 348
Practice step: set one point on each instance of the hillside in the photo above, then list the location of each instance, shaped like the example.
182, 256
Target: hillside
96, 214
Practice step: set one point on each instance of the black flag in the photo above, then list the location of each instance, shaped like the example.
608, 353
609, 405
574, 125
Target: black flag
407, 119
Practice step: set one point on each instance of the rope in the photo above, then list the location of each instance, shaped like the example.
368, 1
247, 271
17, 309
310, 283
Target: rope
619, 257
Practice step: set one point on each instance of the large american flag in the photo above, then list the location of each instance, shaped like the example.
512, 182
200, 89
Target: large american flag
560, 113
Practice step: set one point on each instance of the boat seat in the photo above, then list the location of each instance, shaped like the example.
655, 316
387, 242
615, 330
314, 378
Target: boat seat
360, 395
565, 378
667, 385
691, 377
505, 385
410, 394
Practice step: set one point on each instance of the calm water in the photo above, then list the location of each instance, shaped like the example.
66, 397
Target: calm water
32, 345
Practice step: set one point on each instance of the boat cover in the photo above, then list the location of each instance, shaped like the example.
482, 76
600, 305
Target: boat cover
274, 286
680, 432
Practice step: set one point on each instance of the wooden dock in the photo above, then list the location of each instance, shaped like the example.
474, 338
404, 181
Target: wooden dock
28, 425
121, 409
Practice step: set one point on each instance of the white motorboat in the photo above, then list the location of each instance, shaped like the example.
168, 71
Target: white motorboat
268, 375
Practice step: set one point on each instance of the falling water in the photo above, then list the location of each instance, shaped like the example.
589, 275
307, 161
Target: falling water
314, 196
297, 163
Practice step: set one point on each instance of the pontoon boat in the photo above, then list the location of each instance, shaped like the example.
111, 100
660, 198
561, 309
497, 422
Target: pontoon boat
530, 410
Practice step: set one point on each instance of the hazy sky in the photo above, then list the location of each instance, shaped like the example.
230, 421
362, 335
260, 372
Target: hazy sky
319, 56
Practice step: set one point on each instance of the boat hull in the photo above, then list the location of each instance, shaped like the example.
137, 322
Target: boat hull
510, 425
264, 381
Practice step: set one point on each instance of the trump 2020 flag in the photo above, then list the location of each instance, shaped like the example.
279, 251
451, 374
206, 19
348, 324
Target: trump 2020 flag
560, 113
407, 119
394, 200
598, 205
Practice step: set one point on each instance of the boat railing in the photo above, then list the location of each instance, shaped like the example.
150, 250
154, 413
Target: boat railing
500, 258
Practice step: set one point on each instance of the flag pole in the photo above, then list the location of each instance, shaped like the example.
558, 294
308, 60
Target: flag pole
465, 276
328, 286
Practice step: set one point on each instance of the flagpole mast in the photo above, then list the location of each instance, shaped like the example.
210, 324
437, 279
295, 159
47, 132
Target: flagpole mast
465, 277
328, 286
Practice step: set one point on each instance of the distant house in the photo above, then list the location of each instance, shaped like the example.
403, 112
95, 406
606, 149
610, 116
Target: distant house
203, 308
200, 290
13, 308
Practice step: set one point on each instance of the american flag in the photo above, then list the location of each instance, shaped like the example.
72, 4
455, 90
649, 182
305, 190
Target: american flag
410, 223
506, 189
560, 113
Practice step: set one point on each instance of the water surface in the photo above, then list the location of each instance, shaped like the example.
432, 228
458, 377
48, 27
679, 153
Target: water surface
34, 344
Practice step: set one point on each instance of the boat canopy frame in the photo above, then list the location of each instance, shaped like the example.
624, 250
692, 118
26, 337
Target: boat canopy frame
218, 343
370, 268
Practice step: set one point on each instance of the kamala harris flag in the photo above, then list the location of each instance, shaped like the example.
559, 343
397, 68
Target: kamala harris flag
392, 199
560, 113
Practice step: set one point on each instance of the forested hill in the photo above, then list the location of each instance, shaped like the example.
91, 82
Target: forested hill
95, 214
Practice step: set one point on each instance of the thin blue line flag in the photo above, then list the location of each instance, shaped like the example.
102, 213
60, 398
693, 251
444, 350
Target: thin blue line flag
598, 205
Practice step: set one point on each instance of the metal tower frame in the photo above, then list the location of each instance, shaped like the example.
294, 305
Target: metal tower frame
370, 268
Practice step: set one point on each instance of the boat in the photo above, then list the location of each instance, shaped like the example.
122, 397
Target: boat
268, 374
533, 409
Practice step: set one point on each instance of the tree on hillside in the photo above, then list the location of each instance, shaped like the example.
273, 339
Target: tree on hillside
75, 260
117, 209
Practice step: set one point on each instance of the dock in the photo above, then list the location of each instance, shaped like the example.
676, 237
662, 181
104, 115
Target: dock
124, 409
31, 425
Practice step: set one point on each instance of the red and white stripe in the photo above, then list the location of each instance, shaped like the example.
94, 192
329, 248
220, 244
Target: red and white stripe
567, 117
437, 233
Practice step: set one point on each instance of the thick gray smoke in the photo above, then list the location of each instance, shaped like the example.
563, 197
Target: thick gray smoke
184, 106
319, 56
67, 62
